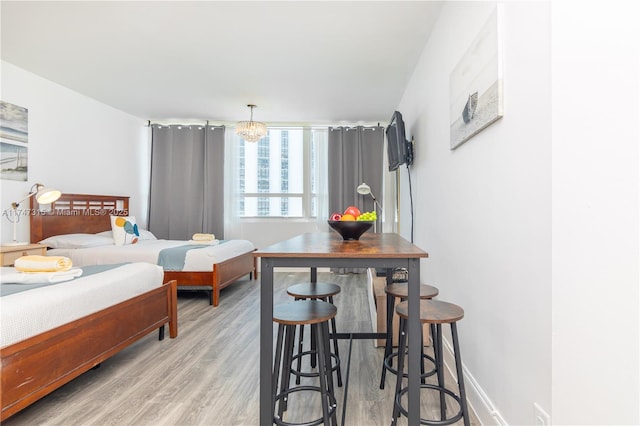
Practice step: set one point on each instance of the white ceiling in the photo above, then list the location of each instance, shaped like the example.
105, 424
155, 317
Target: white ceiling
299, 61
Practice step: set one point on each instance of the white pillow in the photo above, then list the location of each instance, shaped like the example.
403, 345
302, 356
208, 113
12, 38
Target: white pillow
144, 234
125, 230
70, 241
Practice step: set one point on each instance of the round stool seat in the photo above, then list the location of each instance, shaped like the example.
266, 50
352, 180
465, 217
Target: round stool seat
304, 312
402, 290
313, 290
433, 311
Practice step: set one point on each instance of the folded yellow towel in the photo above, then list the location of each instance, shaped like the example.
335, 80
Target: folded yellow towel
203, 237
35, 263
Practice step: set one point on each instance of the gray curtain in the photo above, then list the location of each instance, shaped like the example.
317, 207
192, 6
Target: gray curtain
187, 181
355, 155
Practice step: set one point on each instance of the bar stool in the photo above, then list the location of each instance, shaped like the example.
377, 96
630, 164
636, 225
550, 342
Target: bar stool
315, 291
433, 312
288, 316
401, 291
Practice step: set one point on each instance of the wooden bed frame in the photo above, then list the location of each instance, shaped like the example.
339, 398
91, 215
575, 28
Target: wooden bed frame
35, 367
82, 213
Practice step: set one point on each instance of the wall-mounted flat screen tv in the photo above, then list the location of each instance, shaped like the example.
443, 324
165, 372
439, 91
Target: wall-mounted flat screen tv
399, 149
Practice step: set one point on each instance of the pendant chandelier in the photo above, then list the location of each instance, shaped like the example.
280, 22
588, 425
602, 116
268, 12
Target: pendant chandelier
251, 131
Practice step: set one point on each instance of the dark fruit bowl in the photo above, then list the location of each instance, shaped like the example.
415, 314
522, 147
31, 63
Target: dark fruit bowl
350, 229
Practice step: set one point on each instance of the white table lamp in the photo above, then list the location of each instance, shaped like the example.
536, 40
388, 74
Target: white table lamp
43, 196
364, 189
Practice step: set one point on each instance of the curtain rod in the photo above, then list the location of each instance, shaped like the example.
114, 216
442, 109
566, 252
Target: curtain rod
182, 123
187, 122
365, 127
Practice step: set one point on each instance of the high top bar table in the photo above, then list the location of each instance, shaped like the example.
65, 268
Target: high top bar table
329, 250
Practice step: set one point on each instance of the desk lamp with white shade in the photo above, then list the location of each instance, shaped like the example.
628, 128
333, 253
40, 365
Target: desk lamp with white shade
364, 189
43, 195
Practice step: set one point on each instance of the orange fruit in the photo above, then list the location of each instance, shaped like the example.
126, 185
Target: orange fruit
348, 217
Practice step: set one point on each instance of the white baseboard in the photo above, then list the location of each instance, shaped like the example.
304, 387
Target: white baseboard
477, 399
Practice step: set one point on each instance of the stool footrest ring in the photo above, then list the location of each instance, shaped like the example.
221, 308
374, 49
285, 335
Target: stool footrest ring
447, 421
334, 367
332, 405
387, 365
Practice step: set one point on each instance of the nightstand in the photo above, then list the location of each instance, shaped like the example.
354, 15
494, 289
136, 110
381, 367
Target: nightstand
9, 254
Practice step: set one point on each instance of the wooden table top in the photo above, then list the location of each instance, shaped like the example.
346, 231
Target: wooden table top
331, 245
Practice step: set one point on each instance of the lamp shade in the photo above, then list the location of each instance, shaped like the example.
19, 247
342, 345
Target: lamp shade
47, 195
363, 189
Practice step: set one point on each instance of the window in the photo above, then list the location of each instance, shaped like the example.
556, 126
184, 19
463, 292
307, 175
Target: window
276, 174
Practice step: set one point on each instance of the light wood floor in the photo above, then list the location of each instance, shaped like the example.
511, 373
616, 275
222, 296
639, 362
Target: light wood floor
209, 375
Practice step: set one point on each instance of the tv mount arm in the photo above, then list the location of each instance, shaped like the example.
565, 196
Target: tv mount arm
409, 145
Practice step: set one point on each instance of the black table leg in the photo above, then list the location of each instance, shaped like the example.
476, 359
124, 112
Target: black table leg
266, 341
413, 324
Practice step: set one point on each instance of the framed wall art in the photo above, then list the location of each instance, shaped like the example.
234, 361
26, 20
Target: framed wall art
475, 84
14, 136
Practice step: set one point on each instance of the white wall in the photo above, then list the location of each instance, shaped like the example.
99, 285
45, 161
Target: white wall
596, 192
76, 145
533, 225
483, 211
264, 232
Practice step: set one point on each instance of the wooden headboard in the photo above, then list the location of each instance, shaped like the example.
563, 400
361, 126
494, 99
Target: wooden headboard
76, 213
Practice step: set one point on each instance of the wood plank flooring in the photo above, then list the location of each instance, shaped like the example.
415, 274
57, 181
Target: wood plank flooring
209, 375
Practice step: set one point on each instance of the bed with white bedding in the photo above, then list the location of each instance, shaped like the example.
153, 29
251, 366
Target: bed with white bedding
196, 257
53, 333
210, 267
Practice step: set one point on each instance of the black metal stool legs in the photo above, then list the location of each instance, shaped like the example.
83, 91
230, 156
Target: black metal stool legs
335, 347
276, 367
402, 342
387, 363
427, 316
290, 331
314, 350
326, 375
291, 317
389, 341
300, 349
463, 394
443, 405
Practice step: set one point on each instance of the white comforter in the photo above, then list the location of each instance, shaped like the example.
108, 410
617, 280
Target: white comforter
197, 259
25, 314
